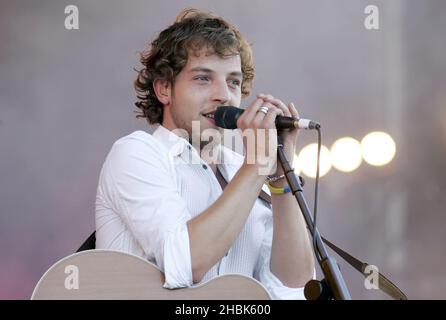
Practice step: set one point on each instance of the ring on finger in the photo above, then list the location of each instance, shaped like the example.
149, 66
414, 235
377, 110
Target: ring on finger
263, 109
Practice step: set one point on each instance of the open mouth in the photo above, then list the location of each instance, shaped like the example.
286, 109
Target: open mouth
209, 116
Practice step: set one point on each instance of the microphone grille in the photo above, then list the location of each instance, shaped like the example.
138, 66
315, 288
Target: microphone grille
226, 117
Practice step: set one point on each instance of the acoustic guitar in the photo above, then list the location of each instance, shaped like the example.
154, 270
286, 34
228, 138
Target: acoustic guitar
107, 274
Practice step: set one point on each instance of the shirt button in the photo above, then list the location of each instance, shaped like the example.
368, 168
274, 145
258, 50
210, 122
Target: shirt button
189, 147
205, 166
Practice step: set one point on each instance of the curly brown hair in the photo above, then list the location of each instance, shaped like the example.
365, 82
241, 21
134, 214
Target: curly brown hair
191, 31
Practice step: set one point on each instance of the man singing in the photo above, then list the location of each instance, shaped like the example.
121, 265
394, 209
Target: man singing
158, 196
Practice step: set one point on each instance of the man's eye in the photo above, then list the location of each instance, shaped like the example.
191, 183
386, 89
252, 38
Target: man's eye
235, 82
202, 78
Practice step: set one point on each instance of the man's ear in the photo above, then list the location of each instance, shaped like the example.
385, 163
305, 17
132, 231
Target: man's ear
162, 90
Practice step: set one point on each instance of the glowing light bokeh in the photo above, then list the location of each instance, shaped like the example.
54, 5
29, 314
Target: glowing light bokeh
346, 154
308, 160
378, 148
296, 164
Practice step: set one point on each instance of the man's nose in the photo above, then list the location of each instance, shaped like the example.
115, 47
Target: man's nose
221, 93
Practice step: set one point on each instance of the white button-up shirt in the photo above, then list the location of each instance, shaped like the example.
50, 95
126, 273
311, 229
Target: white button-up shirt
149, 188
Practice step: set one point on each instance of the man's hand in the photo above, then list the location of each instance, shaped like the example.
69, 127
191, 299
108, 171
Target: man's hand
260, 135
289, 136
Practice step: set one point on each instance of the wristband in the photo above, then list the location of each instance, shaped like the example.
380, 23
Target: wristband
275, 190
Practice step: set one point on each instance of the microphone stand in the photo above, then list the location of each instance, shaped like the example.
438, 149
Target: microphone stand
333, 281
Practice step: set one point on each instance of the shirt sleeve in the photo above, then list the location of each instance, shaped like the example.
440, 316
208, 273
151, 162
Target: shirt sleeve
264, 274
143, 192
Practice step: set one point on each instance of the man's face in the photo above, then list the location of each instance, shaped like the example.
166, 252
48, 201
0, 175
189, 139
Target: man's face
207, 81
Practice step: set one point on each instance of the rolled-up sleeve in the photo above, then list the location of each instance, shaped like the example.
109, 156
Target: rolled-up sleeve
143, 190
263, 272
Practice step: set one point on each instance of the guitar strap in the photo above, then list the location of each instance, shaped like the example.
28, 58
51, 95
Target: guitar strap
384, 284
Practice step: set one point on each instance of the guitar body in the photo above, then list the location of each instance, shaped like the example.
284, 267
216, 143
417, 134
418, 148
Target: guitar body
107, 274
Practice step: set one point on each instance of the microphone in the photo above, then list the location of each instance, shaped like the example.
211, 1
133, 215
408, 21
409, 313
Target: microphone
226, 118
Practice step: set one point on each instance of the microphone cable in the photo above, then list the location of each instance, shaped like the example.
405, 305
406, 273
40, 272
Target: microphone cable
316, 191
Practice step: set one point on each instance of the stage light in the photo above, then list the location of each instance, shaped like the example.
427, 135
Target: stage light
296, 164
378, 148
308, 160
346, 154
